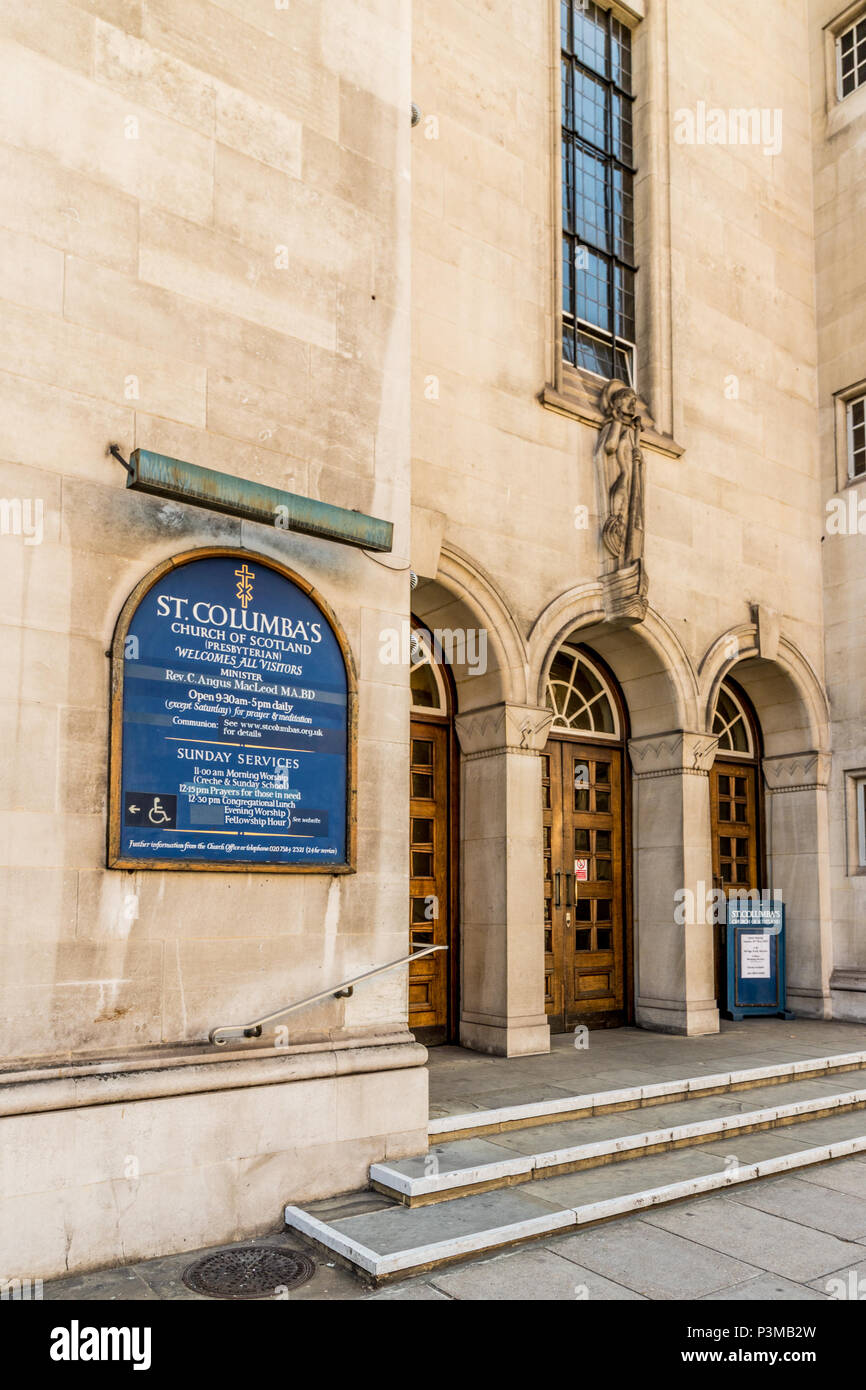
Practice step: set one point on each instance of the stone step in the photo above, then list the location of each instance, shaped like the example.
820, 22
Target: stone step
398, 1239
453, 1169
476, 1123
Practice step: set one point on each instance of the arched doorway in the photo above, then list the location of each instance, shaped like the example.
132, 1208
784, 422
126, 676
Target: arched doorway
736, 809
586, 846
433, 842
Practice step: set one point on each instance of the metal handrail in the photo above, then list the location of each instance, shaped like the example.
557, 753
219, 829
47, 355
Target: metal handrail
220, 1036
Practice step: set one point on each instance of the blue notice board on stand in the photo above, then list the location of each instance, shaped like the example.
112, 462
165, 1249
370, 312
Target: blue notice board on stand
756, 959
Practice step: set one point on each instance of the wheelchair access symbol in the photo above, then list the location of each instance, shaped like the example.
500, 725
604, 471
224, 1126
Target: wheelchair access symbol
149, 811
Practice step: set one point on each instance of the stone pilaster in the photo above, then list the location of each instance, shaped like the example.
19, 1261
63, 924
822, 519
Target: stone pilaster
799, 858
502, 927
675, 990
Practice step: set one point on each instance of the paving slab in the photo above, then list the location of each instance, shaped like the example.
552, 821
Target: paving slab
404, 1228
832, 1129
458, 1155
822, 1209
842, 1175
619, 1179
531, 1276
754, 1148
658, 1264
123, 1285
409, 1293
497, 1099
769, 1242
767, 1288
846, 1284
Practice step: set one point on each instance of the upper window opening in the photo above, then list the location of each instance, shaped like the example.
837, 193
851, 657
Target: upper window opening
598, 331
857, 434
732, 725
851, 57
425, 678
579, 697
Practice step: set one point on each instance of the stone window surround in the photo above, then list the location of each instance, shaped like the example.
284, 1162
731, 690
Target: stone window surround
841, 111
841, 401
855, 821
572, 391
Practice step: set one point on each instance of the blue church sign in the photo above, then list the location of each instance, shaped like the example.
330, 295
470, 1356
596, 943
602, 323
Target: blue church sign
232, 723
756, 958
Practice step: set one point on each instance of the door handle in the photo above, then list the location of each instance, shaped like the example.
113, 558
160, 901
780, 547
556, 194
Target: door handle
568, 890
557, 889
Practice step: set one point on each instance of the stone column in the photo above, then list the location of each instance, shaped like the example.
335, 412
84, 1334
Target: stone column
798, 856
675, 990
502, 911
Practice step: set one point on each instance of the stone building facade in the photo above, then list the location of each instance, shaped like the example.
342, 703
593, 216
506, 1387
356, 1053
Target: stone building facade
597, 349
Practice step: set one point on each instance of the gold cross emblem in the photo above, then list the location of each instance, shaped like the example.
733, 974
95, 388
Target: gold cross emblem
245, 584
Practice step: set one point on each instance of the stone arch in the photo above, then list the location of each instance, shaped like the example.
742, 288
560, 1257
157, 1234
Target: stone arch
793, 712
648, 660
786, 692
669, 756
462, 598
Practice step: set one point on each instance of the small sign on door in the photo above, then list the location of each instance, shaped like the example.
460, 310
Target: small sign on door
581, 870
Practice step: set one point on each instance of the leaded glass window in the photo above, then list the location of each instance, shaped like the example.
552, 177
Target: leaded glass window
425, 678
579, 697
598, 326
731, 724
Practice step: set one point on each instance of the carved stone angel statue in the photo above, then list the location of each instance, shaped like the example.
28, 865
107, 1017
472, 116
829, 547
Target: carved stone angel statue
620, 468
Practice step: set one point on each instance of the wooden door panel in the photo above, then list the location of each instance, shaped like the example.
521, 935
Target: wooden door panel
734, 821
429, 898
593, 833
584, 880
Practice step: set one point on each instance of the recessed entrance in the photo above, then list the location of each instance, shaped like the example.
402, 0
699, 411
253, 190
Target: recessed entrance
735, 811
432, 845
587, 935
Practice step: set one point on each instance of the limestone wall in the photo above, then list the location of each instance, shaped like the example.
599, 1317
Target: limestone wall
727, 350
203, 252
839, 141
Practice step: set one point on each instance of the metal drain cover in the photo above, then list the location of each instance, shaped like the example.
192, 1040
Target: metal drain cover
249, 1271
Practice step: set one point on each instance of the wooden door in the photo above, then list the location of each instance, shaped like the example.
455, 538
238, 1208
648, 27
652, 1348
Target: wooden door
735, 824
584, 885
430, 904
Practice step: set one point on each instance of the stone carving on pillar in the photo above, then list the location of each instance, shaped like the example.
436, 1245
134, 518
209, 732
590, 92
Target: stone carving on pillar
676, 754
797, 772
500, 728
620, 470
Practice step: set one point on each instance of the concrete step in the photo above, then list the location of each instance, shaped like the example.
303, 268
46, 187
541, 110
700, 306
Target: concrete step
454, 1169
477, 1123
398, 1239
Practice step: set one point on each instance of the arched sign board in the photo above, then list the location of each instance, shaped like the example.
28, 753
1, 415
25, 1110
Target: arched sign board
232, 722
